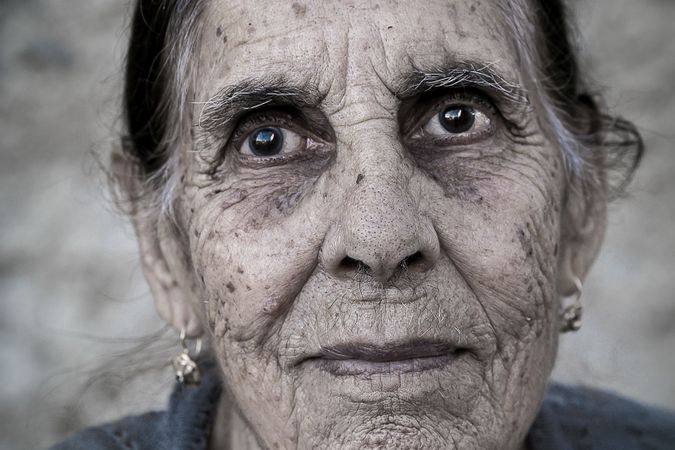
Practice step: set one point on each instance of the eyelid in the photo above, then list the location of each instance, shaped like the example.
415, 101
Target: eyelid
289, 120
479, 101
311, 123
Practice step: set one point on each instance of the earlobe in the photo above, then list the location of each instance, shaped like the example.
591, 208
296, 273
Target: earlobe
160, 254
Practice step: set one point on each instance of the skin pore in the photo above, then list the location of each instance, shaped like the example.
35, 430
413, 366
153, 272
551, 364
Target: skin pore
370, 224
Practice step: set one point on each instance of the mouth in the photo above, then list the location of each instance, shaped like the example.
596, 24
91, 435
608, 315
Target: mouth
365, 359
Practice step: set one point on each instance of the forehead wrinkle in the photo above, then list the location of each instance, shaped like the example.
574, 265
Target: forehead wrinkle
450, 65
362, 81
381, 69
336, 64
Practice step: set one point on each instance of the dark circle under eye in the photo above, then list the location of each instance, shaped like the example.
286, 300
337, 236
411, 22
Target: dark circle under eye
457, 118
266, 141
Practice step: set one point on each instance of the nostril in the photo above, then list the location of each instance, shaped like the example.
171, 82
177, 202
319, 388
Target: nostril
352, 265
412, 261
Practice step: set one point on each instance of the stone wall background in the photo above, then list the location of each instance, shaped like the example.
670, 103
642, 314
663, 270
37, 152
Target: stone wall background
75, 314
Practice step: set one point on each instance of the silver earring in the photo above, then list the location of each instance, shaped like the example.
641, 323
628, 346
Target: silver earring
570, 317
187, 370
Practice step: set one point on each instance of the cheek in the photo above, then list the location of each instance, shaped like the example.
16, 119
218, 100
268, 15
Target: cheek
254, 240
500, 226
251, 241
249, 279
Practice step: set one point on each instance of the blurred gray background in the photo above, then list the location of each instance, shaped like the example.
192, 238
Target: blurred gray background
75, 313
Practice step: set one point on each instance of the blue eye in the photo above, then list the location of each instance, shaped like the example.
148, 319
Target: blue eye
272, 141
266, 141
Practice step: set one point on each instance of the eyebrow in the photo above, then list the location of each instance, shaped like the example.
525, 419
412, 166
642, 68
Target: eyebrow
231, 102
461, 75
252, 94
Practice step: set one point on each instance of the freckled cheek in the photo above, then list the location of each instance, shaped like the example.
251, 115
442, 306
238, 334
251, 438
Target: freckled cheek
222, 283
505, 247
248, 280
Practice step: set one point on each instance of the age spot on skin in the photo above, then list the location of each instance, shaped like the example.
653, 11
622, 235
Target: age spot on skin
230, 287
220, 34
524, 242
299, 9
359, 178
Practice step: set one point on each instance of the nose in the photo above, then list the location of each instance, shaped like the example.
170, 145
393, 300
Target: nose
380, 234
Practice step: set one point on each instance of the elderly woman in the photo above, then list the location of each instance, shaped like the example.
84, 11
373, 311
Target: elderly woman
374, 214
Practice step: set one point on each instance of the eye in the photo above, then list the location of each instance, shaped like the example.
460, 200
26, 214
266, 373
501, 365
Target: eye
457, 119
272, 141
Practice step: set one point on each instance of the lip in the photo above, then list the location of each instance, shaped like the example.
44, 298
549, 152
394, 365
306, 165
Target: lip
366, 359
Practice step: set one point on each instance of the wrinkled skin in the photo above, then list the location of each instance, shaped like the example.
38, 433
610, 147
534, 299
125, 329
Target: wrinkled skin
367, 235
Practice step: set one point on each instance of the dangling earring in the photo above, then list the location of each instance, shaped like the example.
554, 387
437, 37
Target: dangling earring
570, 317
187, 370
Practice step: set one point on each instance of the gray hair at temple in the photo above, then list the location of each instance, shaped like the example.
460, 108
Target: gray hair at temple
601, 151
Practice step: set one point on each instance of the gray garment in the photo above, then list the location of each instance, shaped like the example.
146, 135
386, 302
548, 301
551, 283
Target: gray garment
571, 418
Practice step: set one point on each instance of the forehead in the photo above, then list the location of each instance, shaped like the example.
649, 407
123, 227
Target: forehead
333, 45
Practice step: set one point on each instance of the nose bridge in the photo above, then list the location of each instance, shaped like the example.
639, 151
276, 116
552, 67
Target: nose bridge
380, 212
380, 227
375, 150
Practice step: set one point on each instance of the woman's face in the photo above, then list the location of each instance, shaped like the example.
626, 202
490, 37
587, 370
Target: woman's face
373, 222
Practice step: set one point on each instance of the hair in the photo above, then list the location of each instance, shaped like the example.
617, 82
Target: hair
165, 36
601, 152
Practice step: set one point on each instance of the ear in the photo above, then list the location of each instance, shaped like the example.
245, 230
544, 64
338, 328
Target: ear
162, 259
583, 229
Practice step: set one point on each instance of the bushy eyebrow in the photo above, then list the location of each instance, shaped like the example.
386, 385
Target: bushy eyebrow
232, 101
460, 75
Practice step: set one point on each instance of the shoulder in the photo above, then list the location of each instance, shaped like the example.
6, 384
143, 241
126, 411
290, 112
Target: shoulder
134, 432
580, 417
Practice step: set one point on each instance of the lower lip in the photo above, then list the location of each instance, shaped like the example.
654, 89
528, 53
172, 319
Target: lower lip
365, 368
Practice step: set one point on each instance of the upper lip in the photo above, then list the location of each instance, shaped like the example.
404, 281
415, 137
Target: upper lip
376, 352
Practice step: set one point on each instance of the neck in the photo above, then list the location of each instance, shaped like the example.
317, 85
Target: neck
230, 430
